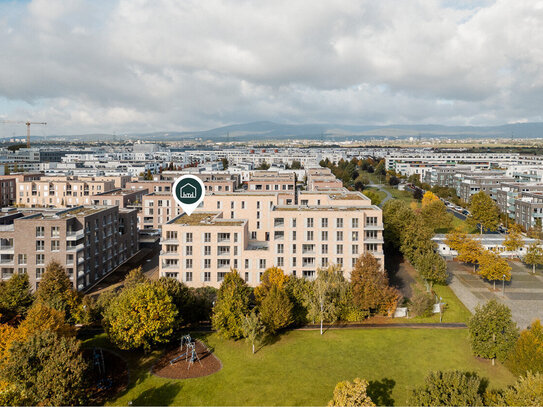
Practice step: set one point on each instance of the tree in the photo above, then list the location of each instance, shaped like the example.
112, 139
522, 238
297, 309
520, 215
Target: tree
396, 216
46, 369
252, 328
492, 331
55, 287
325, 294
432, 267
534, 255
148, 176
370, 288
298, 290
15, 295
449, 388
483, 212
416, 239
380, 169
44, 318
182, 298
493, 267
470, 251
455, 239
231, 306
513, 241
373, 196
296, 165
435, 215
428, 198
527, 391
422, 304
527, 354
274, 276
224, 163
263, 166
351, 394
140, 317
276, 310
134, 277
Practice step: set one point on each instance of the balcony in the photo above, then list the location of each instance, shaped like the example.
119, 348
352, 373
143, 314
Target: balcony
75, 235
373, 226
71, 249
170, 266
378, 240
6, 249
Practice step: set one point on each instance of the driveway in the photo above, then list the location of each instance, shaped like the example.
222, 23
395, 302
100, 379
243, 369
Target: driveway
523, 294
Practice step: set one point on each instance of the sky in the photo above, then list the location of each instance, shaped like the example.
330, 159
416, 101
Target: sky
105, 66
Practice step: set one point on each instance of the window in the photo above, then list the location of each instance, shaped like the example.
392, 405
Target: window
280, 261
207, 263
258, 225
207, 276
221, 250
232, 205
293, 220
188, 263
324, 249
262, 263
324, 222
55, 231
309, 235
220, 276
218, 204
39, 272
324, 235
339, 261
339, 249
235, 237
354, 261
207, 250
339, 222
189, 237
354, 222
309, 222
339, 235
371, 247
242, 204
293, 235
55, 245
253, 235
22, 270
293, 248
40, 259
371, 220
207, 237
188, 250
40, 231
22, 259
294, 262
355, 249
171, 234
246, 276
188, 276
280, 248
246, 263
355, 237
40, 245
371, 234
324, 262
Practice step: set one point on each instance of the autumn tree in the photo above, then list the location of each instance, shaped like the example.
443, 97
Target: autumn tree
44, 318
274, 276
351, 394
483, 212
534, 255
526, 391
455, 239
396, 216
325, 294
527, 354
493, 267
134, 277
370, 287
276, 310
513, 240
492, 331
15, 296
449, 388
428, 198
140, 317
252, 328
416, 239
46, 369
435, 215
231, 306
470, 251
432, 268
55, 288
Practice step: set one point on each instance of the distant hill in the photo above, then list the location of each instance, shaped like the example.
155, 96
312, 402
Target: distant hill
265, 130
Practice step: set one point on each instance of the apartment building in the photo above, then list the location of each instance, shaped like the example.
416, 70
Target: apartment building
7, 191
119, 197
272, 181
509, 192
488, 183
89, 241
322, 179
529, 209
252, 232
60, 192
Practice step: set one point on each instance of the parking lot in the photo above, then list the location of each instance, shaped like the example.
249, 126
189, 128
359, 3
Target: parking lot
523, 294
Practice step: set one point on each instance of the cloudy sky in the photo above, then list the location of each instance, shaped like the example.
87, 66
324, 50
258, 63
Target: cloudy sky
156, 65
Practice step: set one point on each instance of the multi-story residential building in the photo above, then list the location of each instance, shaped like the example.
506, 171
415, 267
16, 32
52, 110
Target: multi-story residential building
89, 241
7, 191
251, 232
488, 183
272, 181
60, 192
322, 179
509, 192
529, 209
119, 197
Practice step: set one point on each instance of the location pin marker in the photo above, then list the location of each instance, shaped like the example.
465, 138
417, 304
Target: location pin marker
188, 192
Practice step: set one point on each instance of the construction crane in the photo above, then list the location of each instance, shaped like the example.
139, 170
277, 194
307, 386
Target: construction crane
27, 128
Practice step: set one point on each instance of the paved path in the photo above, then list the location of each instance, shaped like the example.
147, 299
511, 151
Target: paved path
523, 294
381, 188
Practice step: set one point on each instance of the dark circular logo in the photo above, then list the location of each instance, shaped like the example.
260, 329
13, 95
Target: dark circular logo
188, 191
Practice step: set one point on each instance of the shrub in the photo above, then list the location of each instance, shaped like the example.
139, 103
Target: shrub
422, 304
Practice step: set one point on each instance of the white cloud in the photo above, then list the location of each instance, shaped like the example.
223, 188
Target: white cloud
144, 65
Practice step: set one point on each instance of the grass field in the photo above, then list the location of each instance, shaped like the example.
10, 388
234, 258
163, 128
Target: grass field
302, 368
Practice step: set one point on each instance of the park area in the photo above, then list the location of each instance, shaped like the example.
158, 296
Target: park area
302, 367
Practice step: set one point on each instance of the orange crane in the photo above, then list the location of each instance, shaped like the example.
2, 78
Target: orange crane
27, 128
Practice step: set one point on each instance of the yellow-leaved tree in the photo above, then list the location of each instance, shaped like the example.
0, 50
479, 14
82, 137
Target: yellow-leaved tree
470, 251
274, 276
428, 198
493, 267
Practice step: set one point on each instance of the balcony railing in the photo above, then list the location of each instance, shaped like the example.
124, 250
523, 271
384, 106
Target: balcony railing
75, 235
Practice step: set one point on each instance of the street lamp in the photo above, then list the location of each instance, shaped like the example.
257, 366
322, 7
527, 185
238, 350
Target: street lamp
503, 285
440, 309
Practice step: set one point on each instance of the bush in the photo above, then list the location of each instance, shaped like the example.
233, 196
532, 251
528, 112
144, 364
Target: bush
527, 391
527, 354
422, 304
351, 394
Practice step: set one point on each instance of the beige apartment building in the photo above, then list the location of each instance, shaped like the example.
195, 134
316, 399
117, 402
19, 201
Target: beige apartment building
89, 241
252, 232
322, 179
269, 181
60, 192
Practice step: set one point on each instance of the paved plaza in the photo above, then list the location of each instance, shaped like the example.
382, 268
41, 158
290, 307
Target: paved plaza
523, 294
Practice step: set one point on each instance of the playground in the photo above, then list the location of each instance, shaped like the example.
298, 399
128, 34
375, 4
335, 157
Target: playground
108, 374
191, 359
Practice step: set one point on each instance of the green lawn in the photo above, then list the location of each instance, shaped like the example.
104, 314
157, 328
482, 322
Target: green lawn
302, 368
379, 193
405, 196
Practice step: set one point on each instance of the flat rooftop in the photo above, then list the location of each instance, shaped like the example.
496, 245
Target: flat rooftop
205, 219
